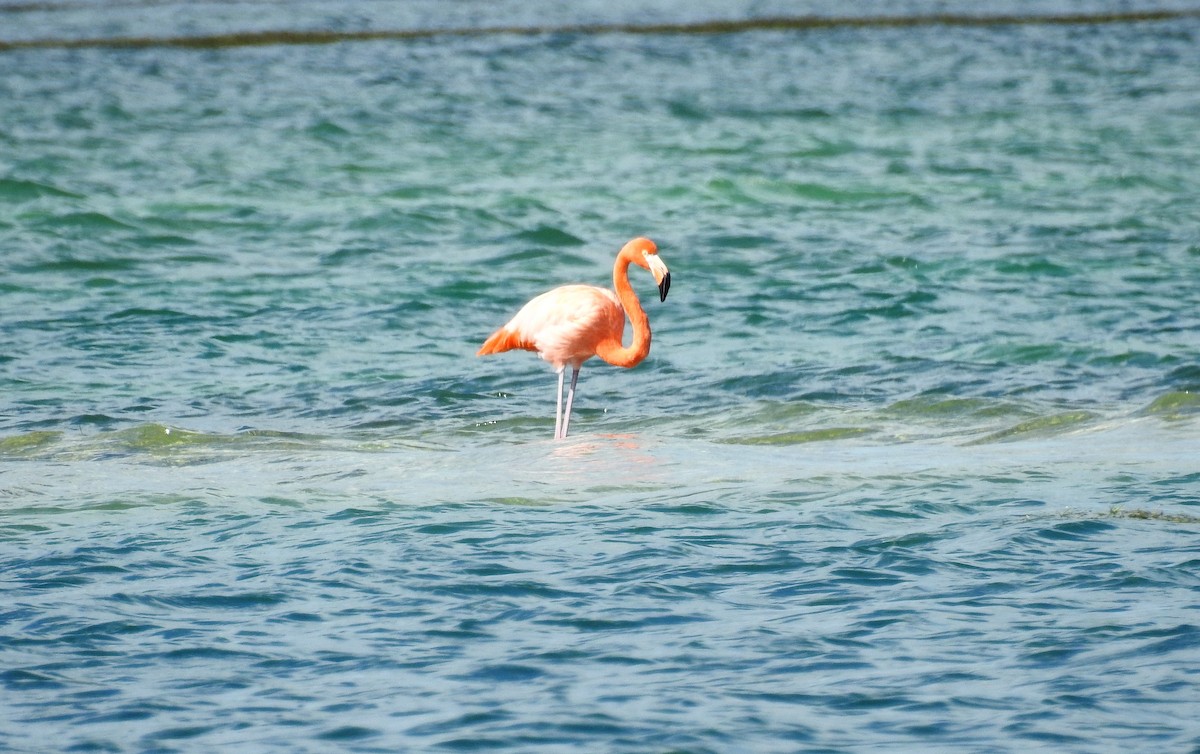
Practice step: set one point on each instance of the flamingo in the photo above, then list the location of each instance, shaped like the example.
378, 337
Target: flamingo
572, 323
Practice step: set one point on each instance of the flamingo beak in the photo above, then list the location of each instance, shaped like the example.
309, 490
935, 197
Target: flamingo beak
662, 275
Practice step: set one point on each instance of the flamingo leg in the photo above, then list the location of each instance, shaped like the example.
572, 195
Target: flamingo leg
558, 407
570, 401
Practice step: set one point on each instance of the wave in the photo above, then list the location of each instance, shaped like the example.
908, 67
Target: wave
151, 441
965, 422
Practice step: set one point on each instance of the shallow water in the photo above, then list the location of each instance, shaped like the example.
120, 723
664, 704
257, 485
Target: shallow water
912, 461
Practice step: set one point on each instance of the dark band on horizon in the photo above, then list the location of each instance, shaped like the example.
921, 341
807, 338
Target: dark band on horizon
319, 37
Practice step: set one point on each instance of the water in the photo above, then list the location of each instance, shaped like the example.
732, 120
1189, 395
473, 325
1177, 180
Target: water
912, 463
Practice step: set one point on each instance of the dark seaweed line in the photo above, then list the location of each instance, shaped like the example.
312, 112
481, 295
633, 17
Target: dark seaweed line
260, 38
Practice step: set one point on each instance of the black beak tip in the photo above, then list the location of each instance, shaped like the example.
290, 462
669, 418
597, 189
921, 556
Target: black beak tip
664, 286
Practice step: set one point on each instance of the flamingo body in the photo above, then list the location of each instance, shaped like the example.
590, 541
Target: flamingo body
563, 325
572, 323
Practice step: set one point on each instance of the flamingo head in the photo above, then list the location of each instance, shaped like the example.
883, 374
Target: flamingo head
644, 253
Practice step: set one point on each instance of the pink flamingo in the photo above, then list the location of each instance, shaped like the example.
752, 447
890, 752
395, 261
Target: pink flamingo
573, 323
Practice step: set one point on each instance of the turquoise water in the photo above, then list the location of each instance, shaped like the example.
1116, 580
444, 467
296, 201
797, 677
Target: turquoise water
912, 463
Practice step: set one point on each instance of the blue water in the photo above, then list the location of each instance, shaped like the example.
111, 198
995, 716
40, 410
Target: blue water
913, 463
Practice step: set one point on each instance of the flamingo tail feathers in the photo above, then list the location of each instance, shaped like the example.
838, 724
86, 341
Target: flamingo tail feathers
505, 340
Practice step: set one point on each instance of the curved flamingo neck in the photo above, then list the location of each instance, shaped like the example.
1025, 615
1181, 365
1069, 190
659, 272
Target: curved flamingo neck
613, 352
